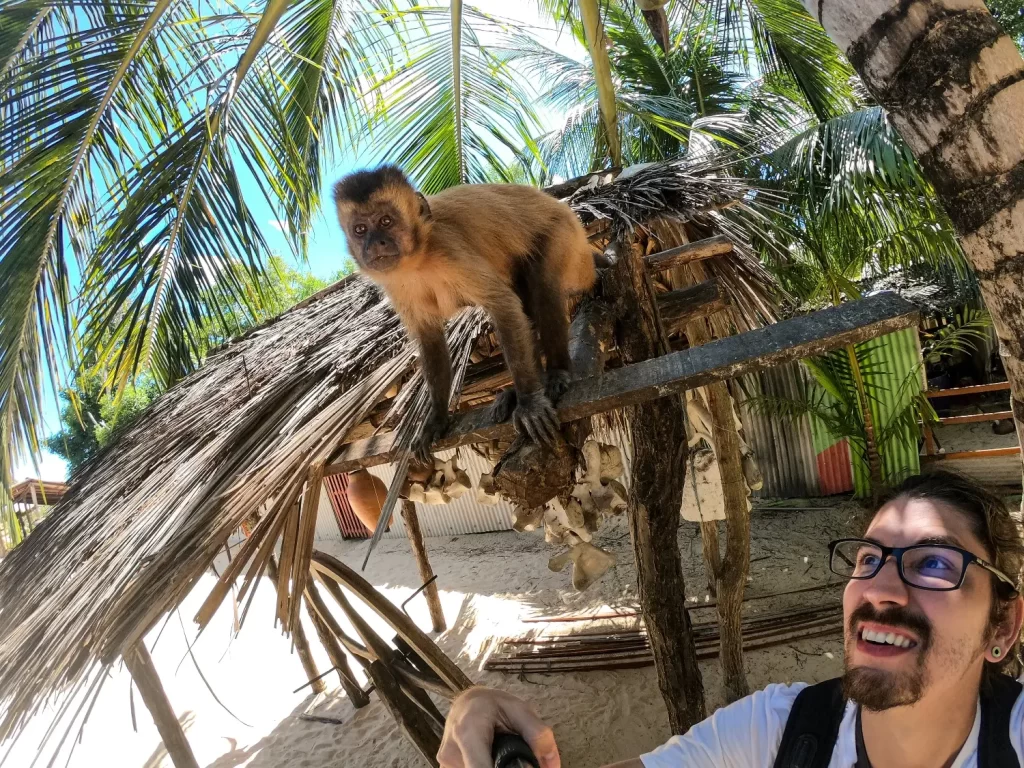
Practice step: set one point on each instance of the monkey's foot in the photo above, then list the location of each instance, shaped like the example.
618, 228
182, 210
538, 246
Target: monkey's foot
504, 404
556, 384
433, 429
535, 417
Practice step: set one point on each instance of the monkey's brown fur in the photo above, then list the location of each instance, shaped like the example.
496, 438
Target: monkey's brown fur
510, 249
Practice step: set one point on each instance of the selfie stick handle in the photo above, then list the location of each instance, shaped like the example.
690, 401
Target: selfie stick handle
511, 751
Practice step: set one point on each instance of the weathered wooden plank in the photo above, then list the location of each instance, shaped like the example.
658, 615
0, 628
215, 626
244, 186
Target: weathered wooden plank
799, 337
684, 254
977, 389
973, 418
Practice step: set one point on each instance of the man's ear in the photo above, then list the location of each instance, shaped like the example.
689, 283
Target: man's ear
424, 207
1007, 634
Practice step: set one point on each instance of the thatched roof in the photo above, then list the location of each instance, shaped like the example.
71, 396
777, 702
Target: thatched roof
145, 518
42, 492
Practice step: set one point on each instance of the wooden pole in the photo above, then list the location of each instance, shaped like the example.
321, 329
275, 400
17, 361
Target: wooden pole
143, 672
729, 573
299, 639
339, 660
419, 551
658, 437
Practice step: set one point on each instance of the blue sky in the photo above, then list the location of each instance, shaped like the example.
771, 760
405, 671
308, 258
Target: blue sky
327, 251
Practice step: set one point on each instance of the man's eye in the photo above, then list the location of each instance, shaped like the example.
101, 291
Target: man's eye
359, 229
385, 222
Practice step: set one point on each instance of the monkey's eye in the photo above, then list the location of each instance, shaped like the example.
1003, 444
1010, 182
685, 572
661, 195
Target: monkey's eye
385, 222
359, 229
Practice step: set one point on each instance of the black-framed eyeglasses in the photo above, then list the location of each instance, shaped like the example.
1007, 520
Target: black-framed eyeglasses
935, 567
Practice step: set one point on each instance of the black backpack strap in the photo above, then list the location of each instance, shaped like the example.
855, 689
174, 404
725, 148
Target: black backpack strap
998, 695
812, 727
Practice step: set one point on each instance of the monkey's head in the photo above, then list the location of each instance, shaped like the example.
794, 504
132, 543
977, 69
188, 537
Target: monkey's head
384, 218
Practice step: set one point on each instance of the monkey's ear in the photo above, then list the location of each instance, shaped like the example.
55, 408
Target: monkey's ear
424, 207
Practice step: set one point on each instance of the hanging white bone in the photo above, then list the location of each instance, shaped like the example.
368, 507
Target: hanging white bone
589, 563
703, 500
559, 521
597, 493
702, 429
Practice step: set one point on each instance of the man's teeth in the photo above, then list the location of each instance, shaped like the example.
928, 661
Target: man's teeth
890, 638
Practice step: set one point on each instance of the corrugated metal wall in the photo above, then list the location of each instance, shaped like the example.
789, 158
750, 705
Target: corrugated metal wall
464, 515
326, 523
784, 447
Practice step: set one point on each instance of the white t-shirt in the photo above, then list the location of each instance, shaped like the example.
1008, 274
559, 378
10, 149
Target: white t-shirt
747, 734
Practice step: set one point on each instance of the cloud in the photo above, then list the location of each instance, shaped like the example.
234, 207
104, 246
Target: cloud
280, 225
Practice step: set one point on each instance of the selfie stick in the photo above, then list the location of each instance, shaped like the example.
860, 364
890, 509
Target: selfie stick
510, 751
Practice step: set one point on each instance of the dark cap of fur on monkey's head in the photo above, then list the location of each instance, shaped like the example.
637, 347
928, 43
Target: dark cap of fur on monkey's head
385, 219
359, 186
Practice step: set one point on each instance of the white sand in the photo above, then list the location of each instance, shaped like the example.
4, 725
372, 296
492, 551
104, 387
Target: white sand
488, 584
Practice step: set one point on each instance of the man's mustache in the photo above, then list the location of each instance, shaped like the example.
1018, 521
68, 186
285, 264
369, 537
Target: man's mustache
896, 616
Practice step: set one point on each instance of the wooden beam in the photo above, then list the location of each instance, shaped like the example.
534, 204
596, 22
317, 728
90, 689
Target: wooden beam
419, 551
719, 245
999, 386
143, 672
985, 453
973, 418
777, 344
677, 308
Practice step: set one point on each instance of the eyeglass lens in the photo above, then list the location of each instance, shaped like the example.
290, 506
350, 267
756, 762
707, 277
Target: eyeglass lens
931, 567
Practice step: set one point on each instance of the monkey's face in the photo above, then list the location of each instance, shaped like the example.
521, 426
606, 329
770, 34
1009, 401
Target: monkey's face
377, 235
383, 219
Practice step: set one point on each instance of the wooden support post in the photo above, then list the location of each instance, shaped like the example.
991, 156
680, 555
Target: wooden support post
143, 672
658, 437
731, 576
339, 660
729, 573
419, 551
299, 639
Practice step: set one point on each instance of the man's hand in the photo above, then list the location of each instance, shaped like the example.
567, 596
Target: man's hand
477, 714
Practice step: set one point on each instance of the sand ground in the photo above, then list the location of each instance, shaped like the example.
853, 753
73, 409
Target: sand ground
489, 583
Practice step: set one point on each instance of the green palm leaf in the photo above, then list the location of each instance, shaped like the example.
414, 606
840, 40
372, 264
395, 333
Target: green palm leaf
58, 136
441, 134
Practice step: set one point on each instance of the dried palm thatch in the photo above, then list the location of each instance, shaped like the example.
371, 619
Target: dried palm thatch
239, 441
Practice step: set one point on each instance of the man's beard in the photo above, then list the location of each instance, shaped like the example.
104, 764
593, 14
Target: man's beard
877, 689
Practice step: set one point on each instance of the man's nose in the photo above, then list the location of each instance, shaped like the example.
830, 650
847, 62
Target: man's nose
886, 587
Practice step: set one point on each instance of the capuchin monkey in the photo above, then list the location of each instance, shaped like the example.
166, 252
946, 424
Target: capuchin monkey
510, 249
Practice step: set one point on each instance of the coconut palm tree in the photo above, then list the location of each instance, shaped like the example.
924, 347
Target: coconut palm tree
131, 130
943, 105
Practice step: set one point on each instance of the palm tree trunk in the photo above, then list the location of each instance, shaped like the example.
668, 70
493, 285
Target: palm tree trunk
952, 80
874, 458
598, 45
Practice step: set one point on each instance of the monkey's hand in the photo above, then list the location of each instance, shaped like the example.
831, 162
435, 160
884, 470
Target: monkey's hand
556, 384
433, 428
535, 416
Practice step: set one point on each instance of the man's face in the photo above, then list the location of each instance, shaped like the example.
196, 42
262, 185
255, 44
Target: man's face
947, 631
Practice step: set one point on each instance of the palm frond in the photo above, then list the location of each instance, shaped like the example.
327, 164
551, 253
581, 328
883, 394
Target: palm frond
412, 120
59, 140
